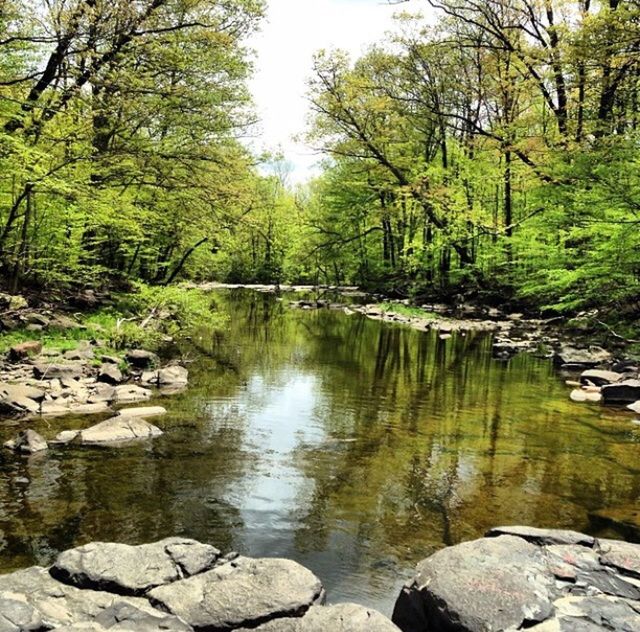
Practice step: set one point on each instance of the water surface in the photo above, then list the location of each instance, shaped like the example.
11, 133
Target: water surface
353, 446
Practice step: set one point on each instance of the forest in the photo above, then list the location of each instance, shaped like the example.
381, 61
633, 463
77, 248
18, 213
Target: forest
490, 153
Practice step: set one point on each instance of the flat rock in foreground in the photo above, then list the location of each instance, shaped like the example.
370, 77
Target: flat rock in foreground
57, 605
525, 578
242, 593
133, 570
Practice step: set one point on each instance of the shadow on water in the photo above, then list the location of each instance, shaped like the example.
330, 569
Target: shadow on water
353, 446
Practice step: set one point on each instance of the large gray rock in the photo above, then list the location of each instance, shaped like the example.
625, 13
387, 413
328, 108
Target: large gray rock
119, 430
521, 577
130, 393
242, 593
110, 374
24, 350
59, 605
599, 377
344, 617
73, 370
133, 570
19, 399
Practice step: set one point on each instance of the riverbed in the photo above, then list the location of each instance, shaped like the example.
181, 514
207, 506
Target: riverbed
354, 446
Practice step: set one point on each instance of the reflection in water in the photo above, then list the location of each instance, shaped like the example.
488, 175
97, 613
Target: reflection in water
353, 446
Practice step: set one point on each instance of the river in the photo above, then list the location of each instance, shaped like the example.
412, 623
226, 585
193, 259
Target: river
353, 446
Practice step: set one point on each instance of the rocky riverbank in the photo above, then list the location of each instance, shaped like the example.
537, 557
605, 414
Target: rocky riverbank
521, 578
515, 578
176, 584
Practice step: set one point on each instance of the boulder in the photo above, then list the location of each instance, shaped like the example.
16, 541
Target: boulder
119, 430
142, 412
625, 392
19, 399
73, 370
54, 408
344, 617
102, 393
27, 442
133, 570
584, 357
110, 374
173, 376
635, 407
63, 322
60, 605
17, 302
243, 593
598, 377
107, 359
522, 577
141, 359
24, 350
66, 436
33, 318
80, 354
129, 393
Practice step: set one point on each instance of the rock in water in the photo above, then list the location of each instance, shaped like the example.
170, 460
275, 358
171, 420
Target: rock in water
27, 442
521, 577
588, 357
129, 393
600, 378
144, 412
119, 430
133, 570
173, 376
242, 593
625, 392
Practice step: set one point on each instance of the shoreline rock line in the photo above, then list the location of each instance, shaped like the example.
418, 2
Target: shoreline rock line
176, 584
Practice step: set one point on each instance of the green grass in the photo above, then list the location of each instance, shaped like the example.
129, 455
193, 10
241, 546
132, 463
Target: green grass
406, 310
177, 312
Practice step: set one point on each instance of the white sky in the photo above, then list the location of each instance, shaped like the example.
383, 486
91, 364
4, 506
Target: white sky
292, 32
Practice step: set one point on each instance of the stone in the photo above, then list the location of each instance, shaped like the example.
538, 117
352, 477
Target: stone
173, 376
63, 322
141, 359
635, 407
102, 393
133, 570
344, 617
23, 350
600, 378
588, 357
17, 302
54, 408
91, 409
583, 395
32, 327
20, 399
107, 359
119, 430
142, 412
27, 442
129, 393
66, 436
73, 370
543, 536
77, 355
525, 578
489, 584
16, 615
60, 605
592, 614
242, 593
110, 374
33, 318
625, 392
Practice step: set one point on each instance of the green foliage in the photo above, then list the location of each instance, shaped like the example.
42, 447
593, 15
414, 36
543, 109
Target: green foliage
406, 310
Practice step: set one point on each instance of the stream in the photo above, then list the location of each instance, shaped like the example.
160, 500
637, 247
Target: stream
353, 446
